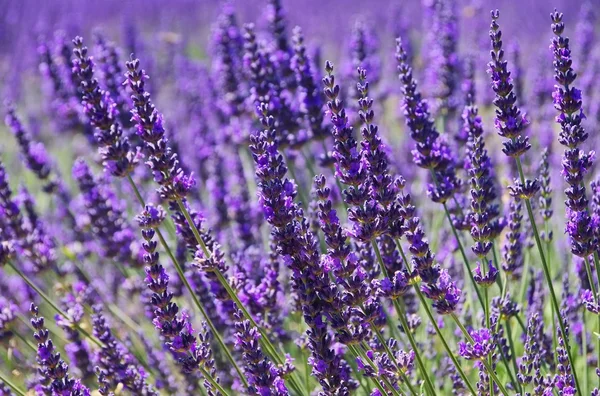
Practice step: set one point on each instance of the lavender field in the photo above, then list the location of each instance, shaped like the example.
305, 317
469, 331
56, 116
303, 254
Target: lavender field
285, 197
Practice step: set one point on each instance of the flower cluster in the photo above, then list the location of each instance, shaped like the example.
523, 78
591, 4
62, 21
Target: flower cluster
309, 243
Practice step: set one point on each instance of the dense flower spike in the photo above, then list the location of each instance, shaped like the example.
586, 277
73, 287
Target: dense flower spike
298, 247
263, 376
567, 100
510, 121
162, 161
513, 246
483, 217
344, 291
55, 379
100, 108
480, 346
431, 151
193, 354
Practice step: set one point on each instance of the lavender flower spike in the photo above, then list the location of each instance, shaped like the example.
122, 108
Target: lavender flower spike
567, 100
53, 370
117, 155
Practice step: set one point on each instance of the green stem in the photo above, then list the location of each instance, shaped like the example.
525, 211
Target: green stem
187, 285
488, 366
584, 347
214, 383
53, 305
435, 325
553, 298
443, 339
402, 317
8, 382
464, 256
511, 344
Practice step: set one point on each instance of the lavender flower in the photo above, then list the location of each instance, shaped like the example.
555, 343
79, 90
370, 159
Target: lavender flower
34, 154
115, 364
119, 159
312, 103
176, 328
106, 220
510, 121
431, 152
567, 100
53, 370
513, 247
162, 161
480, 346
291, 234
263, 376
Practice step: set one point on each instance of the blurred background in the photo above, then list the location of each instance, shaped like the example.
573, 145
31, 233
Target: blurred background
327, 24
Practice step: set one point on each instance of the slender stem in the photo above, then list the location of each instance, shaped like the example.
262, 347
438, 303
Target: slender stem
487, 320
488, 366
553, 298
358, 352
597, 297
402, 317
511, 344
413, 344
464, 256
25, 341
435, 325
584, 348
8, 382
390, 354
213, 329
443, 339
53, 305
212, 381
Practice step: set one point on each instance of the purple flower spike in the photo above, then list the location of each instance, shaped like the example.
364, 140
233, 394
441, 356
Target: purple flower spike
479, 348
118, 157
567, 100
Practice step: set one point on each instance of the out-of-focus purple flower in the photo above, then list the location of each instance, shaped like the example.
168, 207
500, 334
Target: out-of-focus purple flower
282, 50
117, 365
34, 154
29, 239
444, 67
106, 220
228, 52
310, 96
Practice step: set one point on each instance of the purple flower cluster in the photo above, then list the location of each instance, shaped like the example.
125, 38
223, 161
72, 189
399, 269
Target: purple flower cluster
309, 243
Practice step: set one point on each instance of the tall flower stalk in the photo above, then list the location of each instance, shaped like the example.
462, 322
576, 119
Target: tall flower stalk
511, 124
